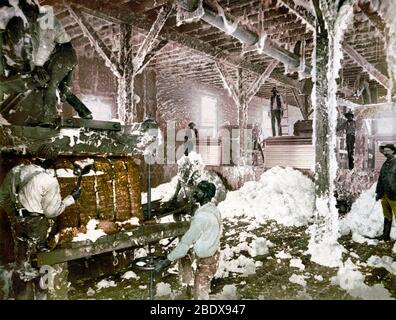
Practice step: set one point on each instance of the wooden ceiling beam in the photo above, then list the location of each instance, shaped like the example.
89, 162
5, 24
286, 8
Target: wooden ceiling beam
373, 17
139, 61
96, 41
301, 12
118, 15
147, 5
367, 66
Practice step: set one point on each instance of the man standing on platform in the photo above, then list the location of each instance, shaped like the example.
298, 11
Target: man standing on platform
276, 112
350, 127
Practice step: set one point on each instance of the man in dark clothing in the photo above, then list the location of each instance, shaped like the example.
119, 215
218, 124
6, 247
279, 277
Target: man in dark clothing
15, 55
386, 189
50, 58
350, 127
276, 112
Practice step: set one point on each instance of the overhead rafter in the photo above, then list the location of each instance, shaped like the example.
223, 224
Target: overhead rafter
255, 87
151, 37
149, 5
152, 54
95, 40
227, 80
309, 18
374, 18
305, 15
118, 15
367, 66
263, 43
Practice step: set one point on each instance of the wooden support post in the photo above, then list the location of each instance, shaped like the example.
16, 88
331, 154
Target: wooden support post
242, 97
139, 80
332, 19
391, 58
126, 86
126, 68
242, 116
261, 80
128, 110
327, 30
151, 94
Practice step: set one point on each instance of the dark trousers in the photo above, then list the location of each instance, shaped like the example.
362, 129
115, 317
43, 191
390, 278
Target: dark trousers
350, 142
59, 68
29, 233
276, 117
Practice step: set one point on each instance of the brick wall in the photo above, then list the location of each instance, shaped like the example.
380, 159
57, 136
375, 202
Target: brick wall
180, 101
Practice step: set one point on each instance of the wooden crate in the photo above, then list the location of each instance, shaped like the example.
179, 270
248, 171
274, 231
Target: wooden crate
295, 152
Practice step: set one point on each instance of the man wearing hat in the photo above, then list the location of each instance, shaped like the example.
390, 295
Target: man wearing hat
350, 127
191, 138
30, 194
276, 112
386, 189
204, 235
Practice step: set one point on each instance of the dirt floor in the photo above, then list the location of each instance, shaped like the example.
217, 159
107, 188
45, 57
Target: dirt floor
271, 280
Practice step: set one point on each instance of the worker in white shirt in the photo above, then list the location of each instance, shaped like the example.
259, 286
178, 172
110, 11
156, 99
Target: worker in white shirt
30, 194
204, 236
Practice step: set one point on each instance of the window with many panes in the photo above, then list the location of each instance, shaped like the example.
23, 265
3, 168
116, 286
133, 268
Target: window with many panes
208, 125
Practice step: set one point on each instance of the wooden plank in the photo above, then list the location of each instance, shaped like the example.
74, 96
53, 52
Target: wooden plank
138, 237
92, 124
131, 140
